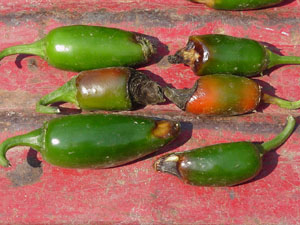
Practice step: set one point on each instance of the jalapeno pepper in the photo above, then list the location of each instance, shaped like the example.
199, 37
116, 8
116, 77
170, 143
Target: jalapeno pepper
95, 141
223, 164
112, 89
238, 4
79, 47
223, 54
223, 94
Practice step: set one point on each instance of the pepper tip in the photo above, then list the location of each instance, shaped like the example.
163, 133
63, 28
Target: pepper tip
167, 164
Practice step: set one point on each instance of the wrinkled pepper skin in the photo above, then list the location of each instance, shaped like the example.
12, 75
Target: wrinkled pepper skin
223, 54
225, 164
111, 89
96, 140
238, 4
80, 47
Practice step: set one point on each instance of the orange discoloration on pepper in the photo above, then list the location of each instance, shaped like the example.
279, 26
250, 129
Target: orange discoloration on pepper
224, 95
251, 96
206, 98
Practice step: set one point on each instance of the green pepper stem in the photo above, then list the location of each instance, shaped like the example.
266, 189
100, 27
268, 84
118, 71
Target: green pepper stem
32, 139
281, 102
36, 48
280, 138
275, 59
66, 93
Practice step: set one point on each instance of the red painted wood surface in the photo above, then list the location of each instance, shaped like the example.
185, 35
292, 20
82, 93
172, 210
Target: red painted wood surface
38, 193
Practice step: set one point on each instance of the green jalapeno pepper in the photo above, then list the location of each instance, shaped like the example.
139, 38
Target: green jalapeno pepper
223, 54
238, 4
79, 47
224, 164
223, 94
95, 141
112, 89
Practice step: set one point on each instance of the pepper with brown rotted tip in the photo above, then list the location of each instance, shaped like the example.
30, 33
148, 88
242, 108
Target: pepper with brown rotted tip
81, 47
225, 164
111, 89
223, 54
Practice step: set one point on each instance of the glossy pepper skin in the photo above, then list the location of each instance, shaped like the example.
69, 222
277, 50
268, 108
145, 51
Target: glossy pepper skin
95, 140
80, 47
223, 54
223, 94
112, 89
225, 164
238, 4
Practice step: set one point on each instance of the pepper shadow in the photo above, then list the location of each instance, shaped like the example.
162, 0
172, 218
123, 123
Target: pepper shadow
32, 159
267, 89
65, 110
284, 3
269, 161
19, 59
184, 135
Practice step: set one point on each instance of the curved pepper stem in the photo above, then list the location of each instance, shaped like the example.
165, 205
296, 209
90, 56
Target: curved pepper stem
66, 93
32, 139
280, 138
36, 48
281, 102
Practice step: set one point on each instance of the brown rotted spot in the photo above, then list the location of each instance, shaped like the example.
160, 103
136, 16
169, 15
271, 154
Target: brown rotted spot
165, 129
191, 55
144, 91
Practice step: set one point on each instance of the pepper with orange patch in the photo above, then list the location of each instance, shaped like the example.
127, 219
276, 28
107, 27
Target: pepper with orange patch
223, 94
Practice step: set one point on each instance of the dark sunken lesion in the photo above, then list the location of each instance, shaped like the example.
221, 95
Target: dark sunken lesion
192, 55
144, 91
180, 97
168, 164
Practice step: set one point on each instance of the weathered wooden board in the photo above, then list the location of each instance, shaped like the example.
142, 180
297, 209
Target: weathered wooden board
34, 192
